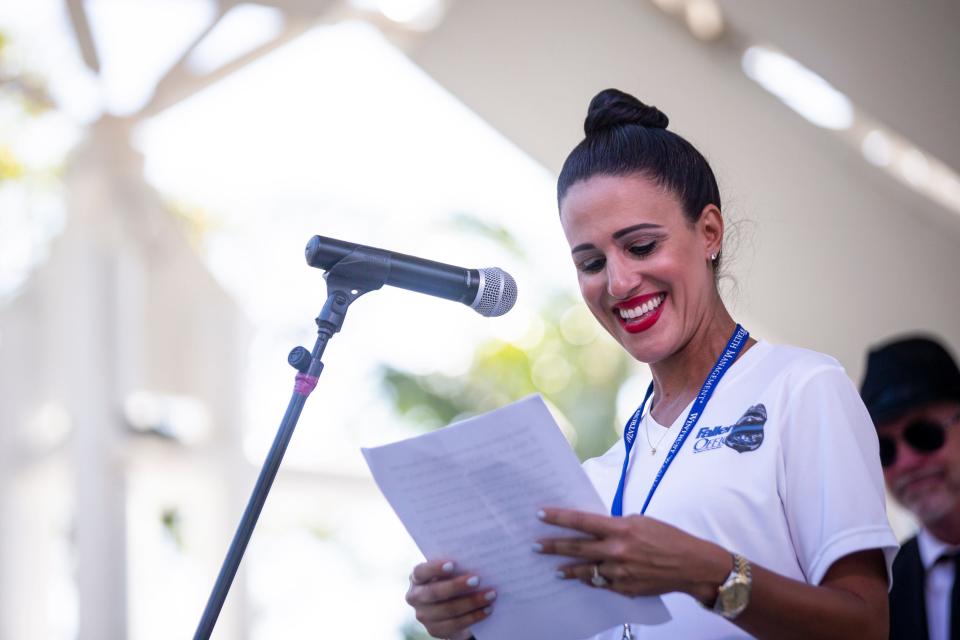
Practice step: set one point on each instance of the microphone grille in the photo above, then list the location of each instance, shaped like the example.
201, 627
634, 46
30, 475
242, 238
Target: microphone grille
497, 292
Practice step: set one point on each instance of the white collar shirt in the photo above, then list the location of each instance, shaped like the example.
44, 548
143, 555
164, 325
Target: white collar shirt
938, 583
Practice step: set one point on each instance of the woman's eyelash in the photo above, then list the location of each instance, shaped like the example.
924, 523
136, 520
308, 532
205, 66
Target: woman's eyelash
640, 250
592, 266
643, 249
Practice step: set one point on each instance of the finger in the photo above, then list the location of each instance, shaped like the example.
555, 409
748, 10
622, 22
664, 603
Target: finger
609, 574
619, 577
427, 571
448, 628
456, 608
442, 590
595, 524
587, 548
582, 571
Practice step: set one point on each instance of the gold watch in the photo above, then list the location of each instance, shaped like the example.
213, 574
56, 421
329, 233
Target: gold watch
733, 596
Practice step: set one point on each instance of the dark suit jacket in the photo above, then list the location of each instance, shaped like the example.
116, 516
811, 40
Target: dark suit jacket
908, 610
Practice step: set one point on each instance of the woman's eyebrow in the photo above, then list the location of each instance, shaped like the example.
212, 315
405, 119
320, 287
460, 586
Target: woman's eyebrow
643, 225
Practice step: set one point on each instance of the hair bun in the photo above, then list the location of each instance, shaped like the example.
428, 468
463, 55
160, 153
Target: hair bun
612, 108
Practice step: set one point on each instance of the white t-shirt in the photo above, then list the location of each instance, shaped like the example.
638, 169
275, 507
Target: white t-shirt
794, 488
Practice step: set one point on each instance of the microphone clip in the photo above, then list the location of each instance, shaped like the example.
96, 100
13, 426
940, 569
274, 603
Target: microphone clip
363, 270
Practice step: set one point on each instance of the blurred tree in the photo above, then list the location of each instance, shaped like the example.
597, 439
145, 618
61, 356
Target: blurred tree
197, 222
565, 356
414, 631
23, 94
30, 213
10, 167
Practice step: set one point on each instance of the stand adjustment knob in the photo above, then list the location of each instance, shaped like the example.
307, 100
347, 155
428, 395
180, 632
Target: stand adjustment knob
299, 359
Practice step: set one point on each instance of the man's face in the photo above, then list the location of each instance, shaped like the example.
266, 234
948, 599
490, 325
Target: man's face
925, 482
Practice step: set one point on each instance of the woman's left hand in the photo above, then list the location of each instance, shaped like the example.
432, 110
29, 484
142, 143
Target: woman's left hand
636, 555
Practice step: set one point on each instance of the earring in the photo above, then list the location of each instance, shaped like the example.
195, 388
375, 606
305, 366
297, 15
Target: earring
713, 257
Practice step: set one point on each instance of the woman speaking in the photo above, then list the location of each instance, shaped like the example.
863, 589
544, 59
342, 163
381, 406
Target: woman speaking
747, 489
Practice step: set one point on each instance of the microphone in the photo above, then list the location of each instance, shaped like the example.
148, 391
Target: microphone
490, 292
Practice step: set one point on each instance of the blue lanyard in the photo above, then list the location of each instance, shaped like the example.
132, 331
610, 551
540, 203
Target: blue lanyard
734, 347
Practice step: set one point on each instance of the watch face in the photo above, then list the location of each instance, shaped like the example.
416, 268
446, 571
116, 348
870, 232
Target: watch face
735, 597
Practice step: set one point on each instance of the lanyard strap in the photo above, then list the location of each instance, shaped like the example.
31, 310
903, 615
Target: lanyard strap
731, 351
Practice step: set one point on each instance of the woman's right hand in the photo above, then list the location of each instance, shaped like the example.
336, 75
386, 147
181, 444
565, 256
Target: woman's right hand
447, 603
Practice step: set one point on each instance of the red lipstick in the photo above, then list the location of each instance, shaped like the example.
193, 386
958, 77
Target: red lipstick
647, 320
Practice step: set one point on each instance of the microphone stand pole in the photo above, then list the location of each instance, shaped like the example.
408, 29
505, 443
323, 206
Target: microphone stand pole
357, 273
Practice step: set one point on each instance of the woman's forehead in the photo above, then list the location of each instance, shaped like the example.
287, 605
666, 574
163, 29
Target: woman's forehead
604, 203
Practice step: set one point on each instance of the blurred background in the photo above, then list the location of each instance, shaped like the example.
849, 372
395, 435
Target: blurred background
163, 164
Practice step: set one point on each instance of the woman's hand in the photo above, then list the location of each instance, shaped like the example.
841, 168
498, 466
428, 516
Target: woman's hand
636, 555
447, 603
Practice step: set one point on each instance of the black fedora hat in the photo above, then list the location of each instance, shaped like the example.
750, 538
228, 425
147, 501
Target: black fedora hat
906, 373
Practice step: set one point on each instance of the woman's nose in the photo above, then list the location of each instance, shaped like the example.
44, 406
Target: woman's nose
621, 279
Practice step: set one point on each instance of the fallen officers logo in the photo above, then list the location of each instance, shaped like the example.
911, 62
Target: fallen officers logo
746, 434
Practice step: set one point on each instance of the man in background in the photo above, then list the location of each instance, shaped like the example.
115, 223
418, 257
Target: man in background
912, 390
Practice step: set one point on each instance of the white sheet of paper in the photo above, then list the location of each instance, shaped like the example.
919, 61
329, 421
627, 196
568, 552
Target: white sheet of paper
470, 492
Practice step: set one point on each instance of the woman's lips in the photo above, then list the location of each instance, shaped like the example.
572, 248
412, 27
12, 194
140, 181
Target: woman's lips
645, 311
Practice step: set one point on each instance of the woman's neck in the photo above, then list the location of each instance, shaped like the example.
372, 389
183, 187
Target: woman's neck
678, 378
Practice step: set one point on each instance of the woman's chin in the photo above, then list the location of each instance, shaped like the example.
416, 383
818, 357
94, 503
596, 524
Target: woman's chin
646, 350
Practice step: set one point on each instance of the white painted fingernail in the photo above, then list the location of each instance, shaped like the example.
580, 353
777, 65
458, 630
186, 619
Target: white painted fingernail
541, 514
447, 567
490, 595
536, 546
473, 581
488, 611
560, 575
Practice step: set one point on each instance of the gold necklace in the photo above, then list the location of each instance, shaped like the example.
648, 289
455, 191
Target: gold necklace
646, 430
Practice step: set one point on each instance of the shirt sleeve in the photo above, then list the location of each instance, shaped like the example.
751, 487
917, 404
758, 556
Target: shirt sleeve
830, 480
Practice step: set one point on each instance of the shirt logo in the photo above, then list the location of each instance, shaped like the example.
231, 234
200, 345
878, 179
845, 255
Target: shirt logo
746, 434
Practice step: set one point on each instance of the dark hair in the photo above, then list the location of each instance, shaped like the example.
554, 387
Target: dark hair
624, 136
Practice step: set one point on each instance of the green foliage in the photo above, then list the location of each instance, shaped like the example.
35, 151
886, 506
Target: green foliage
23, 97
484, 229
414, 631
172, 522
566, 358
10, 166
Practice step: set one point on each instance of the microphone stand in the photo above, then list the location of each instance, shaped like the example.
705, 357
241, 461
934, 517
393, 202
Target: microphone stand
361, 271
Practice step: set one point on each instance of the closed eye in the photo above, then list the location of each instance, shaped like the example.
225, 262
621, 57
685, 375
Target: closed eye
643, 250
592, 265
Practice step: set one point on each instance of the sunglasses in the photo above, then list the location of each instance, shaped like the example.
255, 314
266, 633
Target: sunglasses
923, 436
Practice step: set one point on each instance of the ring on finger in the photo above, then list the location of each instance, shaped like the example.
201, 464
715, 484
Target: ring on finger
598, 580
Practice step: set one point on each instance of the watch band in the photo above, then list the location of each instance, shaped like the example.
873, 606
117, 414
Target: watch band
733, 595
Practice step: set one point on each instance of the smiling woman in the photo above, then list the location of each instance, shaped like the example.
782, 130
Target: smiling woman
599, 217
770, 522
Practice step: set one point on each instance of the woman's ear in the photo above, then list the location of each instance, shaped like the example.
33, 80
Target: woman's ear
710, 226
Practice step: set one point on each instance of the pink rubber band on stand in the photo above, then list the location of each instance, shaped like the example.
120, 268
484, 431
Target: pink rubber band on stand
305, 384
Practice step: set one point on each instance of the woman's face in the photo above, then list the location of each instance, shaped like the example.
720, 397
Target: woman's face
644, 270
